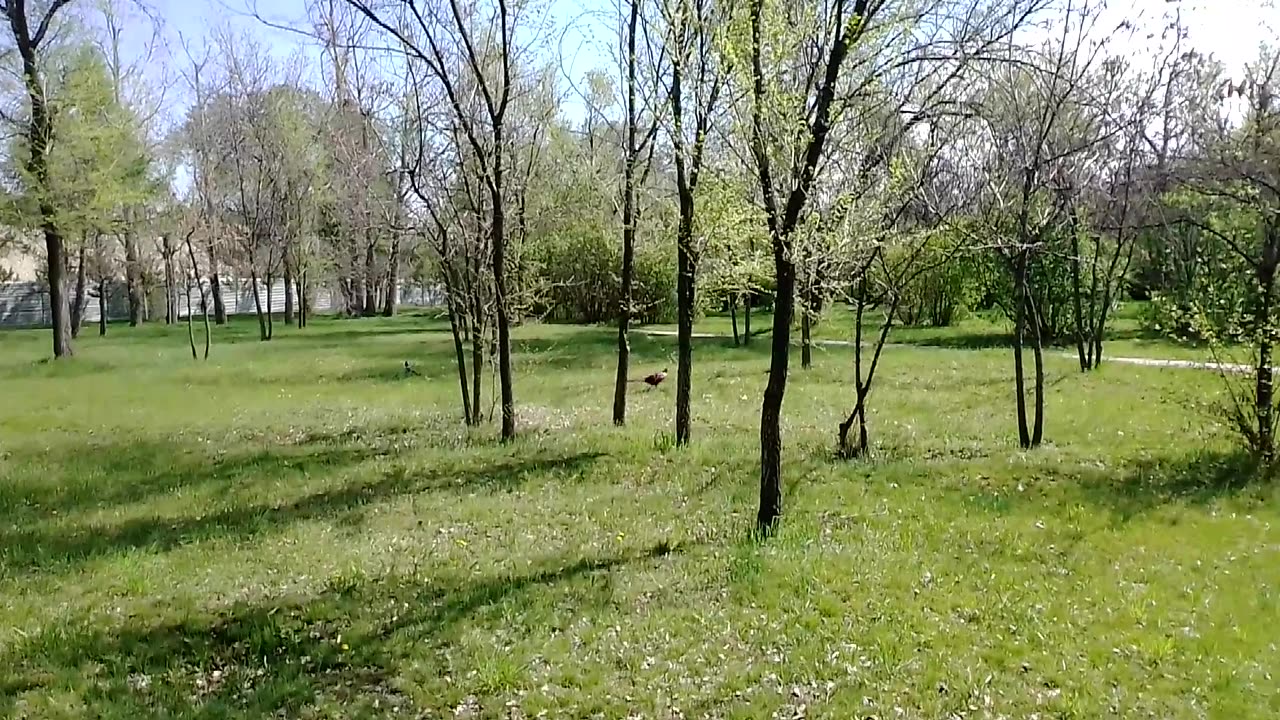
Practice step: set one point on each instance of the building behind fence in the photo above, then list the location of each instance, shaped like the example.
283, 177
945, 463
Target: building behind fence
26, 304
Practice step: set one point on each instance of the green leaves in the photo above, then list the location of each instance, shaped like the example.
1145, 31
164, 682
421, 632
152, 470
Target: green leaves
98, 159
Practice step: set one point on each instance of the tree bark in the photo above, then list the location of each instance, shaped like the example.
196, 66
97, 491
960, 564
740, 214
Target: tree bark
498, 236
1020, 323
288, 291
257, 303
133, 275
771, 409
806, 346
271, 329
80, 301
684, 311
628, 225
369, 307
460, 357
1037, 353
1264, 385
170, 281
191, 329
1084, 339
215, 289
733, 318
102, 306
391, 298
746, 318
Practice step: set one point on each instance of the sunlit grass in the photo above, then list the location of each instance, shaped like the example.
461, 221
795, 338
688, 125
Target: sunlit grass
298, 529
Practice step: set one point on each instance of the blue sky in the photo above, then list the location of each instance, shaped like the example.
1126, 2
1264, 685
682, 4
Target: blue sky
578, 39
1229, 29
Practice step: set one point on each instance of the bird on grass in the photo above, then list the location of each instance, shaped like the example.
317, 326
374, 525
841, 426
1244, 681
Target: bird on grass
655, 379
408, 369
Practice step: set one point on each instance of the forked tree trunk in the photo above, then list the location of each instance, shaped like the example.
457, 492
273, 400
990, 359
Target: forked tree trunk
1020, 323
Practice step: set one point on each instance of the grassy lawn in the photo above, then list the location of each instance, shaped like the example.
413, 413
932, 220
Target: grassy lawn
295, 529
1126, 335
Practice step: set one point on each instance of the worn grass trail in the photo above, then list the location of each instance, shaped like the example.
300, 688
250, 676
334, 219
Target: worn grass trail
297, 529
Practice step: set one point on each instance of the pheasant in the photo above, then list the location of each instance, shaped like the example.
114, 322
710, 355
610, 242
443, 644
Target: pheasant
655, 379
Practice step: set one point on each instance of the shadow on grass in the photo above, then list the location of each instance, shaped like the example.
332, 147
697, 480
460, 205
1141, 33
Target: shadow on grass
45, 544
341, 650
1198, 478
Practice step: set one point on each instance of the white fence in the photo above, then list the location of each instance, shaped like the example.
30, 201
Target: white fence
26, 304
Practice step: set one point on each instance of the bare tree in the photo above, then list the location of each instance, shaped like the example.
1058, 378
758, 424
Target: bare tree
473, 50
635, 147
694, 81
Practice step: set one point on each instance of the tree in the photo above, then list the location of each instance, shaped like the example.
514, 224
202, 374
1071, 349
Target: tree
634, 147
834, 28
449, 40
1232, 193
694, 82
1036, 116
39, 134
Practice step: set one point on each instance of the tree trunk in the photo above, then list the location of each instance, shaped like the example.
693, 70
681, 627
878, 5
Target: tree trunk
257, 304
301, 294
684, 311
460, 358
79, 301
498, 234
133, 275
170, 281
370, 306
1084, 340
391, 297
746, 319
219, 305
288, 292
806, 351
624, 311
191, 329
1037, 352
733, 318
271, 329
102, 306
1020, 322
771, 409
1264, 389
628, 226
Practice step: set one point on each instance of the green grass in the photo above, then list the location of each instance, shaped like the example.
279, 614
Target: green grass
296, 530
1126, 335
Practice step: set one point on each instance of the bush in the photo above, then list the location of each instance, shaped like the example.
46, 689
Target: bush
944, 291
579, 280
